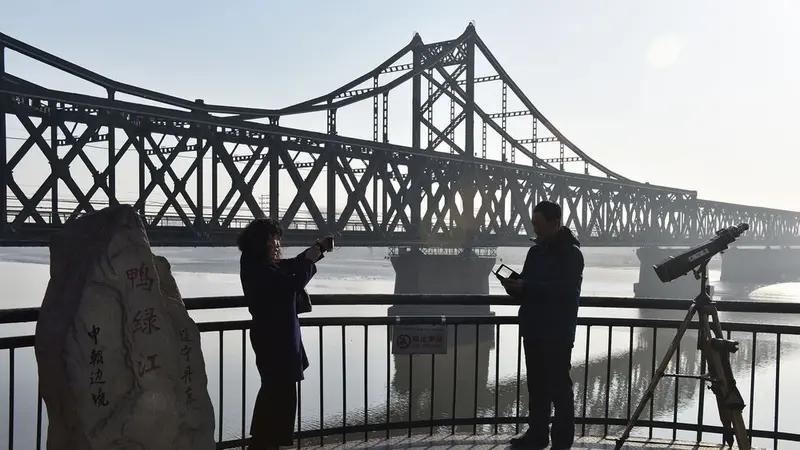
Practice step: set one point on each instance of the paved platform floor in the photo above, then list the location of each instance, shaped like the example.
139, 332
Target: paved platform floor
496, 442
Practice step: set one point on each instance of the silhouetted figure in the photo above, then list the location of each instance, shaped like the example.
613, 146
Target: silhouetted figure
549, 290
274, 290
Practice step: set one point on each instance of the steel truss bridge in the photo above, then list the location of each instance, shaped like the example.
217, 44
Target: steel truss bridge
465, 176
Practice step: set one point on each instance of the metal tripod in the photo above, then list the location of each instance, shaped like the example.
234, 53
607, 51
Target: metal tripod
716, 351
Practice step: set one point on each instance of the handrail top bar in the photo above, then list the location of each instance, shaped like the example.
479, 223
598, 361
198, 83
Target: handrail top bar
23, 315
21, 341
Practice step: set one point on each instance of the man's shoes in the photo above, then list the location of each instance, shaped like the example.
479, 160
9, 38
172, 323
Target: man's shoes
528, 441
562, 443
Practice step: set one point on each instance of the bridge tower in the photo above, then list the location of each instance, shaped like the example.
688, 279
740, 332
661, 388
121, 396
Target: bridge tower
462, 265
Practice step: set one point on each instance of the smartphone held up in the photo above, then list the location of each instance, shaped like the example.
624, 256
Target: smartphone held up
325, 244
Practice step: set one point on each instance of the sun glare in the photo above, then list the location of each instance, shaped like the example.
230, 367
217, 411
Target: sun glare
664, 52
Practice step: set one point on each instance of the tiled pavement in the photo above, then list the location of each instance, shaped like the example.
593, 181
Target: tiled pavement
497, 442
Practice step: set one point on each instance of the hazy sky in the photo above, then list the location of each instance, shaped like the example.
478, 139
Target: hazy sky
699, 94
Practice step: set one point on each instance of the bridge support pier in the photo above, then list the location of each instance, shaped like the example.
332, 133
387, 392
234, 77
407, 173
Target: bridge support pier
649, 286
760, 265
441, 271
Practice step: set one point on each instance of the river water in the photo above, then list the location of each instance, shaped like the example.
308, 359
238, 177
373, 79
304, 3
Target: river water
353, 376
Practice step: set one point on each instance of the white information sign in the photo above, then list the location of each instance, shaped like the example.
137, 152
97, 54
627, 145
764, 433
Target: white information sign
419, 339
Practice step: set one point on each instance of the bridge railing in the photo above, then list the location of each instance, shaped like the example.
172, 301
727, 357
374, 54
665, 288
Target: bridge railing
357, 389
178, 222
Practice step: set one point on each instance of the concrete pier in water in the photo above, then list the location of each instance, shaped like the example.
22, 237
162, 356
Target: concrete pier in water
761, 265
441, 271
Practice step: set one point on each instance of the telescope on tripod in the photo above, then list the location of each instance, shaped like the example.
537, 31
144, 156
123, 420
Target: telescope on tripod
714, 348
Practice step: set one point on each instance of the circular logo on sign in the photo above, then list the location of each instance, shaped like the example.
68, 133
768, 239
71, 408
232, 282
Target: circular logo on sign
403, 341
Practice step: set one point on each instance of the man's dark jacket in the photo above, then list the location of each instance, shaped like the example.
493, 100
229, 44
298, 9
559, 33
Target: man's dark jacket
273, 292
553, 274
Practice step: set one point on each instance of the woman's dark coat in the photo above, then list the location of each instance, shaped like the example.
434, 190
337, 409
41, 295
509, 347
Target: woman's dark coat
272, 292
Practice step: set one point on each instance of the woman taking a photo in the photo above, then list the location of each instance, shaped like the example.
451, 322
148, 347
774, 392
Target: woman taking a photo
274, 290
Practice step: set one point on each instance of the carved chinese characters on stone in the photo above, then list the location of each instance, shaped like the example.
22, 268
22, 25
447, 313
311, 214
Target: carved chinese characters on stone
186, 353
145, 321
139, 278
110, 344
192, 374
147, 363
96, 374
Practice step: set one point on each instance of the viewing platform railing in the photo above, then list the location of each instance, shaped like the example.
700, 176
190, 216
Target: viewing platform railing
357, 389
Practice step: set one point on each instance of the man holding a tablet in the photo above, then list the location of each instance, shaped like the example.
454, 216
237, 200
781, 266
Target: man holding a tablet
548, 289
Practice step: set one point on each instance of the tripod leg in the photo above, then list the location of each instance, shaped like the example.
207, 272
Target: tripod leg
742, 439
659, 373
729, 399
714, 362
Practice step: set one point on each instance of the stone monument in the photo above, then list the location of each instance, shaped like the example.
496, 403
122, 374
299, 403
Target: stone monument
119, 358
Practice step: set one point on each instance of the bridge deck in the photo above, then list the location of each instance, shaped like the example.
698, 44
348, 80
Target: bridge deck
496, 442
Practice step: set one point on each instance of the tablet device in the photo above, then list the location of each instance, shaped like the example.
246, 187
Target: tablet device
504, 272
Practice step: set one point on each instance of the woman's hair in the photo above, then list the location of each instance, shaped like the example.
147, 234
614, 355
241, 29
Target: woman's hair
256, 235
